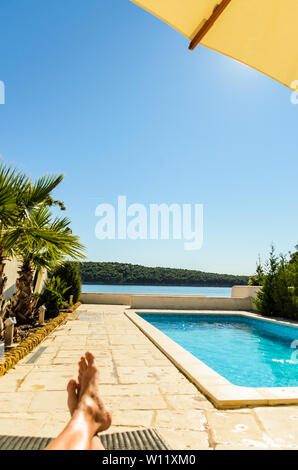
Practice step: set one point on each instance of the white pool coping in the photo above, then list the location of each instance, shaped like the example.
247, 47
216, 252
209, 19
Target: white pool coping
219, 390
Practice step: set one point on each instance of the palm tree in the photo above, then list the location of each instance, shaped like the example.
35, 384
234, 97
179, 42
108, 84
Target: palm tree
10, 182
39, 242
8, 193
18, 197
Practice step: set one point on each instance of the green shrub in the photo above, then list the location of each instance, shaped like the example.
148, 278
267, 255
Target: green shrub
52, 297
293, 272
69, 274
258, 278
278, 296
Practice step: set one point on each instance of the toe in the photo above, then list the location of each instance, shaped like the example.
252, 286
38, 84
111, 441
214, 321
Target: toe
83, 364
71, 387
90, 358
72, 398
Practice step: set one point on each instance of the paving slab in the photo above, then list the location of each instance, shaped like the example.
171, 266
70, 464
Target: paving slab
192, 440
238, 429
280, 423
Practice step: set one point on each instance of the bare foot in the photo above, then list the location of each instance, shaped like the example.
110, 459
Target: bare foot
84, 394
72, 402
89, 414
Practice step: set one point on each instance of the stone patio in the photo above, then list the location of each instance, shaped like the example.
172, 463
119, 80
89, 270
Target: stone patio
141, 386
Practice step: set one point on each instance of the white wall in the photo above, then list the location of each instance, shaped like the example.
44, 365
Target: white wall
245, 291
11, 272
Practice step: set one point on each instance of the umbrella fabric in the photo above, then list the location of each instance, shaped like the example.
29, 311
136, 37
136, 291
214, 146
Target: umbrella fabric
259, 33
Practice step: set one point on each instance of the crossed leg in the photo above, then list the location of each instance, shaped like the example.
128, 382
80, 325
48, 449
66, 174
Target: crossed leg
88, 412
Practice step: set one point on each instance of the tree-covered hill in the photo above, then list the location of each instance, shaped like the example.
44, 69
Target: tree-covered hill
121, 273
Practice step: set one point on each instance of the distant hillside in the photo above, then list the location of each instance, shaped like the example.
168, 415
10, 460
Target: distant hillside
120, 273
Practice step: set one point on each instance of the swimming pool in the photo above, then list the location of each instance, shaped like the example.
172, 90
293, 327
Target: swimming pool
245, 350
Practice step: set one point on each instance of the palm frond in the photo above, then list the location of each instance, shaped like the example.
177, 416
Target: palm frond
49, 201
39, 191
43, 240
10, 180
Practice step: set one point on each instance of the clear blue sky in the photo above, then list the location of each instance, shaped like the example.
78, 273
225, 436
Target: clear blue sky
109, 95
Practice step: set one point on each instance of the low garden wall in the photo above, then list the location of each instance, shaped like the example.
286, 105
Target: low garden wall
193, 302
102, 298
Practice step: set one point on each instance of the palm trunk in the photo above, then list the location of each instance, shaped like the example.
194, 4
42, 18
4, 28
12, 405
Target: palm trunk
3, 278
21, 303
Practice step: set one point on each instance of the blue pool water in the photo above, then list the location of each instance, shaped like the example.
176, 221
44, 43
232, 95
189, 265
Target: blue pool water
246, 351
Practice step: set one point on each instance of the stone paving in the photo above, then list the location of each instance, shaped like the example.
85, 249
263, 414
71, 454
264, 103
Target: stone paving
141, 386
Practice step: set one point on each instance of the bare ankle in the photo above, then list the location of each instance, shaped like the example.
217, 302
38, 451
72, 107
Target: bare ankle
83, 418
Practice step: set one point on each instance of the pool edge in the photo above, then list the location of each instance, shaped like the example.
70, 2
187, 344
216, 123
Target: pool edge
222, 393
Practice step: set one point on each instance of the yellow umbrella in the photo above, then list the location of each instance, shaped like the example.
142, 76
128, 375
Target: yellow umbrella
260, 33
